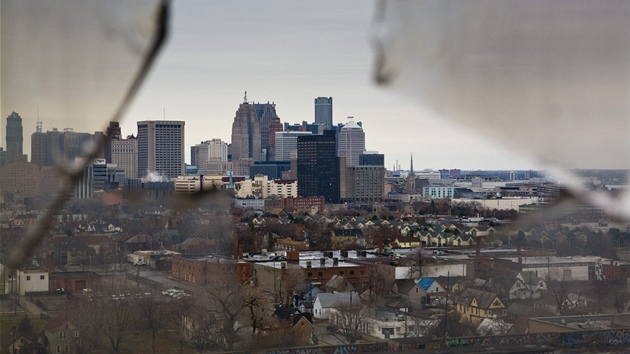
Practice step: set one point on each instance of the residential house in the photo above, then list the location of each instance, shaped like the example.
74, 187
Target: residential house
326, 302
475, 305
430, 286
343, 236
197, 245
411, 292
24, 220
406, 242
527, 286
301, 332
14, 341
70, 250
60, 336
494, 327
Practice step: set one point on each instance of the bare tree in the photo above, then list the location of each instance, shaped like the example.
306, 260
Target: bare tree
258, 308
292, 281
117, 316
153, 314
349, 317
420, 327
226, 301
380, 280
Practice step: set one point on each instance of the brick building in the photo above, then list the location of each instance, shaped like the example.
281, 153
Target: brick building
305, 203
74, 281
615, 270
269, 275
198, 268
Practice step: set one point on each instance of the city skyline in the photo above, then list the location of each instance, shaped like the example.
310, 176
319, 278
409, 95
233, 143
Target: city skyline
217, 51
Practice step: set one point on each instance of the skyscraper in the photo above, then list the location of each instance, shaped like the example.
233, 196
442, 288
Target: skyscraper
246, 143
54, 146
351, 143
161, 148
286, 143
318, 166
266, 113
209, 151
324, 112
14, 137
124, 153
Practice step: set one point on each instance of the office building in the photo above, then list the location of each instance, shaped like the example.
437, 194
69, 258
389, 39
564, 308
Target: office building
51, 147
113, 132
246, 143
266, 113
351, 143
161, 148
124, 153
14, 137
318, 166
272, 169
371, 158
213, 150
365, 183
286, 143
324, 112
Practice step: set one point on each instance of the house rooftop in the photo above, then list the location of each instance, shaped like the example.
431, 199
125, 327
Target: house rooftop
588, 322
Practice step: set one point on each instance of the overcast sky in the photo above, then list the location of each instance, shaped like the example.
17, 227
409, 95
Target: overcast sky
287, 52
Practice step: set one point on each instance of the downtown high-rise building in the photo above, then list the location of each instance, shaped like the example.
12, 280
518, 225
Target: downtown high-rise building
318, 172
324, 112
286, 144
351, 143
246, 138
161, 148
266, 113
209, 151
124, 153
54, 146
14, 137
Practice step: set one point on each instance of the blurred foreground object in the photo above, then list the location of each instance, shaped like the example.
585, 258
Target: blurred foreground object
82, 61
548, 78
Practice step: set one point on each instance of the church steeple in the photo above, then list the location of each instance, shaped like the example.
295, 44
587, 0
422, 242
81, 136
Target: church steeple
411, 173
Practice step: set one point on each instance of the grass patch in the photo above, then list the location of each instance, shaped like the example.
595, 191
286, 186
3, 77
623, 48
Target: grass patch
7, 323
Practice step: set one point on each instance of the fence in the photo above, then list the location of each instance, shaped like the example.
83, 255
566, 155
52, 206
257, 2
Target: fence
142, 280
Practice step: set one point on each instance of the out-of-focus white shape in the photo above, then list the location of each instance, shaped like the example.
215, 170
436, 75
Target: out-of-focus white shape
549, 78
78, 60
74, 59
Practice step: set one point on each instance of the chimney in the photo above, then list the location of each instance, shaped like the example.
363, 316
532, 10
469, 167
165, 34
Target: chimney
335, 262
308, 264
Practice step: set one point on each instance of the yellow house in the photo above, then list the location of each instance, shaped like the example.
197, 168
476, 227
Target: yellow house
475, 305
406, 242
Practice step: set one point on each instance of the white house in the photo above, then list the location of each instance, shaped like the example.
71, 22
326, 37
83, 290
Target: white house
527, 286
325, 302
32, 280
430, 286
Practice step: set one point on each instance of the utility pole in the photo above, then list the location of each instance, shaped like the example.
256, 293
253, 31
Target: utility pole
448, 277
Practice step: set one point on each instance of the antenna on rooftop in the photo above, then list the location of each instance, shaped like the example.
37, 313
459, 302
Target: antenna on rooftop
38, 128
245, 98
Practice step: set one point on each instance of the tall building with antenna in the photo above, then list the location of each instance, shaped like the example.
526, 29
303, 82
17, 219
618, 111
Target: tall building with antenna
14, 137
246, 133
